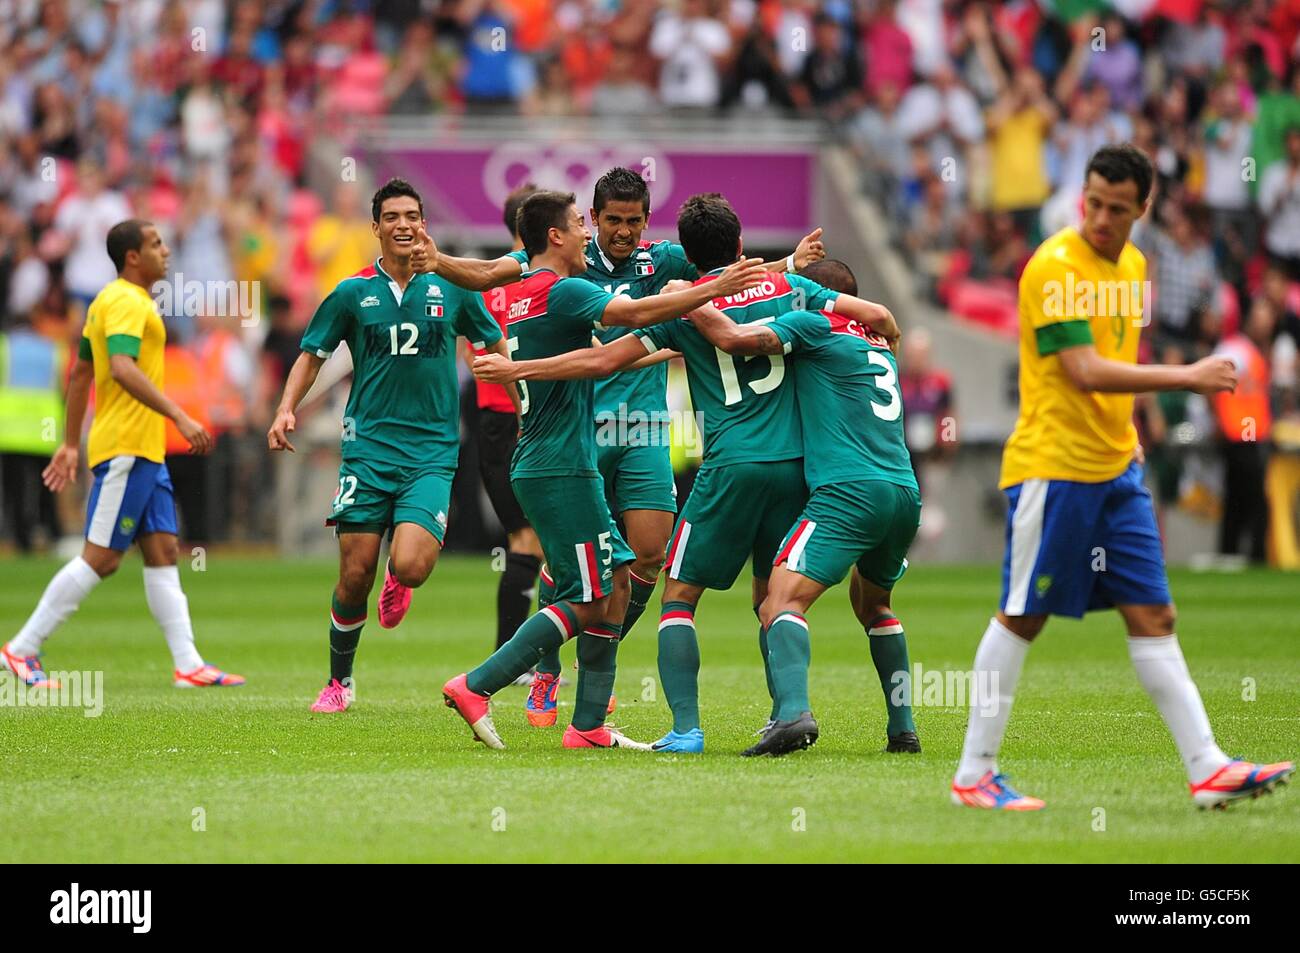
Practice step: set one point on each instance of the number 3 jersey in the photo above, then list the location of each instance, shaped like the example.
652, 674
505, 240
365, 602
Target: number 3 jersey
404, 408
747, 402
850, 407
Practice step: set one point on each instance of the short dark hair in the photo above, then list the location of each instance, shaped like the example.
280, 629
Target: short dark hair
124, 237
1123, 163
542, 211
510, 214
709, 230
832, 274
391, 190
621, 185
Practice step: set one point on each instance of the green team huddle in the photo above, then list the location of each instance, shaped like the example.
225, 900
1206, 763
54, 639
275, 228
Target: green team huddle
813, 405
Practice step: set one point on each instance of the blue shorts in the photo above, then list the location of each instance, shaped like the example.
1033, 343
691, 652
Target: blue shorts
1074, 547
131, 496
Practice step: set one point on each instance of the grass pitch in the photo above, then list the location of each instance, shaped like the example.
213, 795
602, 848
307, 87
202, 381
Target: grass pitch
398, 778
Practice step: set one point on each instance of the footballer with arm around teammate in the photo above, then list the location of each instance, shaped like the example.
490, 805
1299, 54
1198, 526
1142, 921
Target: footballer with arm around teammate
401, 437
131, 500
1075, 490
863, 507
555, 478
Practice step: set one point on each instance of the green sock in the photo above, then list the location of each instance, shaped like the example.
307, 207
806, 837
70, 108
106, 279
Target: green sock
345, 632
636, 602
544, 632
679, 663
790, 652
550, 662
767, 664
597, 649
889, 653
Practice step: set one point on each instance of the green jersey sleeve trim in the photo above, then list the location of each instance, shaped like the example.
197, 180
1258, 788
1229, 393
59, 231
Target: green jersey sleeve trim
1055, 337
127, 344
85, 351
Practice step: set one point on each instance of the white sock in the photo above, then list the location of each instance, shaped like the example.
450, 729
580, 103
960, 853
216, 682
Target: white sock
1163, 673
171, 610
69, 586
1001, 656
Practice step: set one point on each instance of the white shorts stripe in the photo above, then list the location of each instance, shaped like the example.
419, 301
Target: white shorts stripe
791, 617
681, 550
794, 561
1026, 539
109, 502
584, 571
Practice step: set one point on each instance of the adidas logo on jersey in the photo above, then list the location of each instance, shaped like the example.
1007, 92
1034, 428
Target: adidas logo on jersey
370, 302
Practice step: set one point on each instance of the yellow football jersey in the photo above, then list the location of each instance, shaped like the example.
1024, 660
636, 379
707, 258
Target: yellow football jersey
1070, 295
124, 320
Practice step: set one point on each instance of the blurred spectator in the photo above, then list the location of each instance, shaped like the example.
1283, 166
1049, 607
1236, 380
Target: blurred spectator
887, 49
83, 220
1020, 120
417, 83
1227, 161
341, 241
757, 77
878, 140
495, 74
831, 79
945, 116
621, 92
1245, 423
1181, 268
690, 44
1279, 200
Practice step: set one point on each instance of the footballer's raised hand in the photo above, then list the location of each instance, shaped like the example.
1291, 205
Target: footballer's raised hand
809, 250
424, 253
1212, 374
495, 369
62, 468
738, 276
277, 437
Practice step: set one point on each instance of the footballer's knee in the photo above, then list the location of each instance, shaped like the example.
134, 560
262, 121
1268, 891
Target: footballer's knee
411, 570
355, 583
1154, 621
772, 609
648, 563
1026, 627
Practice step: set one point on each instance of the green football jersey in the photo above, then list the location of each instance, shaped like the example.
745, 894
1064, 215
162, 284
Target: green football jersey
553, 315
643, 273
746, 403
846, 382
404, 407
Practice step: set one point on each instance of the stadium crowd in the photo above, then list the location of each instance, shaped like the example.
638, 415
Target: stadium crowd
973, 123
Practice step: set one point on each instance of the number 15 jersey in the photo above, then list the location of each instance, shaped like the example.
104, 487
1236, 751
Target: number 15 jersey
747, 402
404, 407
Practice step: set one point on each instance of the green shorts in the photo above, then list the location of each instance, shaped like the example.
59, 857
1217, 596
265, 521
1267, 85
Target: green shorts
868, 523
579, 538
371, 499
637, 477
735, 512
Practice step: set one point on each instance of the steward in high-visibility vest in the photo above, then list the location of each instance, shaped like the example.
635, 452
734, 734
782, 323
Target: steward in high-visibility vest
31, 392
